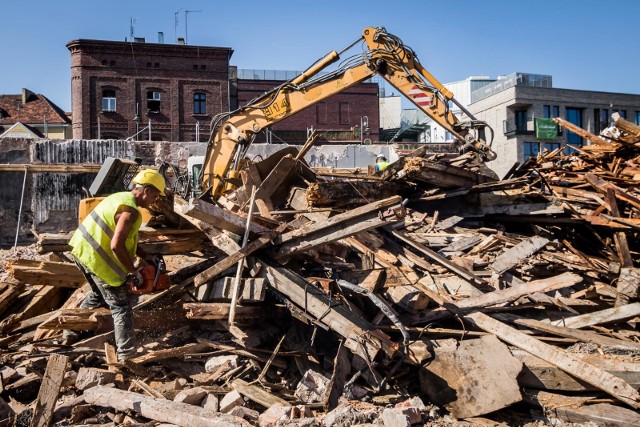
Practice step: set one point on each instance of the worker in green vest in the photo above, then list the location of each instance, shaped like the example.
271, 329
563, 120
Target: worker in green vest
105, 247
381, 163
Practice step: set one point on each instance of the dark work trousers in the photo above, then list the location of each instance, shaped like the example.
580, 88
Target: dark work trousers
119, 300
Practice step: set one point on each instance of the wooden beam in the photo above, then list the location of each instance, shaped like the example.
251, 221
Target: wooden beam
212, 272
465, 274
360, 336
61, 274
51, 168
166, 411
49, 390
218, 217
599, 378
523, 250
579, 335
257, 394
609, 315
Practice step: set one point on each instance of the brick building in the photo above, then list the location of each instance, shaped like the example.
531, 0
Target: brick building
119, 88
339, 117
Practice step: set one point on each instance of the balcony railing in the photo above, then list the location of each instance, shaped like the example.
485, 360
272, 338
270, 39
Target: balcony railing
512, 128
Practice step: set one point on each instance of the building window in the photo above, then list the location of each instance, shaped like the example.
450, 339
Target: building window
574, 116
531, 149
153, 102
203, 67
112, 63
638, 117
108, 100
601, 118
551, 111
344, 113
550, 146
156, 65
104, 62
521, 120
199, 103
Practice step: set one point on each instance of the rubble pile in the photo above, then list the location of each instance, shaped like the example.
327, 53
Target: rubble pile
433, 294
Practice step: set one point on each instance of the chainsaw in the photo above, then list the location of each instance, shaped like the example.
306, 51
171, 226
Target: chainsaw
154, 278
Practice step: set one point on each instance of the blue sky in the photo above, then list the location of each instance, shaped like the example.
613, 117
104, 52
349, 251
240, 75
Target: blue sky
583, 44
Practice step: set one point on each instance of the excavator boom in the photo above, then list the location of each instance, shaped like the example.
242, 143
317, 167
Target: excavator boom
385, 55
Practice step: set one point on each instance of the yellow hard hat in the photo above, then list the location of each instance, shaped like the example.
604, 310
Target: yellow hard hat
150, 177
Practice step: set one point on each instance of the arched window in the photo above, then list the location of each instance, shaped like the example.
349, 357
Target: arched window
199, 103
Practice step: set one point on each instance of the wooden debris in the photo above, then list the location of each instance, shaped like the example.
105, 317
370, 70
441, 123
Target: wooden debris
181, 414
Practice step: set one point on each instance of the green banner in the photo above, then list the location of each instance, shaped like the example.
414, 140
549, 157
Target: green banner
546, 129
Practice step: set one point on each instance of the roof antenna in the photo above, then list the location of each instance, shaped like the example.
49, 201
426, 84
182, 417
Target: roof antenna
132, 24
175, 25
186, 15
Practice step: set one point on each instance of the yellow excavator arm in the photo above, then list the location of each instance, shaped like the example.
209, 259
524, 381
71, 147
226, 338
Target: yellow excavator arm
385, 55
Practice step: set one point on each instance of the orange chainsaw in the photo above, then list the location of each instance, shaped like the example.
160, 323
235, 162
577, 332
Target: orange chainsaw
154, 278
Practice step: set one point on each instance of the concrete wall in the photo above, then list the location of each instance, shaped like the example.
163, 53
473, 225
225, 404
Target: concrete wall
50, 200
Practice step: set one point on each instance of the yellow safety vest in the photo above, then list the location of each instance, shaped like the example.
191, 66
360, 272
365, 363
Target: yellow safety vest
92, 240
380, 166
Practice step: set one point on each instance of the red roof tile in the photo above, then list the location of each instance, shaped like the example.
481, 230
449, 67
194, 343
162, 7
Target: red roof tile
34, 111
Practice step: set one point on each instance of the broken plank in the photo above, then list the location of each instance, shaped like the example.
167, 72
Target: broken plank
360, 336
169, 353
580, 335
180, 414
542, 375
49, 390
599, 378
61, 274
336, 232
233, 259
513, 256
609, 315
257, 394
220, 311
548, 284
465, 274
218, 217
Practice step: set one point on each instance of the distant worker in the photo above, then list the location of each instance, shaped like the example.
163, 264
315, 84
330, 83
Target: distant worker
105, 247
381, 163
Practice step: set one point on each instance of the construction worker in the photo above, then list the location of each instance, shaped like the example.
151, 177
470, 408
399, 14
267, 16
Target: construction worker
105, 247
381, 163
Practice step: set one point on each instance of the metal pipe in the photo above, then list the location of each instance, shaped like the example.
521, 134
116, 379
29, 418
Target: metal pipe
314, 69
24, 184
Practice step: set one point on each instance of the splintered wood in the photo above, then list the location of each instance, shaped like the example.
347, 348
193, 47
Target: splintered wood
432, 284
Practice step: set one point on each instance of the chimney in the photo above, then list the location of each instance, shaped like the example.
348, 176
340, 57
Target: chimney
138, 39
181, 40
26, 94
160, 37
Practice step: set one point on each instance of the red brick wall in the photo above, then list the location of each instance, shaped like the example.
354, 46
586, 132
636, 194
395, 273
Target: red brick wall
133, 69
357, 101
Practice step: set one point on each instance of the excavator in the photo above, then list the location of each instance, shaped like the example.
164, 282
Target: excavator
232, 133
384, 55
